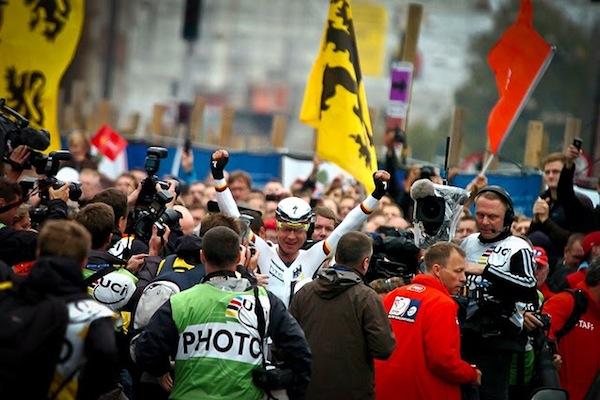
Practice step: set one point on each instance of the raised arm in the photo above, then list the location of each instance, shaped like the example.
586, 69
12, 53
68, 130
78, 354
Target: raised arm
358, 215
225, 199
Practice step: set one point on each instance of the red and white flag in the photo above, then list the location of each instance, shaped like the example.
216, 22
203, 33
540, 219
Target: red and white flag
109, 142
518, 60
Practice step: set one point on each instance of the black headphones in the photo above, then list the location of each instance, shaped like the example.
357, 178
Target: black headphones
509, 215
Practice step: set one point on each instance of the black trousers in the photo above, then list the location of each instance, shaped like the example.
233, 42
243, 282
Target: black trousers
495, 369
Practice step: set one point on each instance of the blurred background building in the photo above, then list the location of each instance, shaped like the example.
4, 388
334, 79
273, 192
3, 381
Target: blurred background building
254, 56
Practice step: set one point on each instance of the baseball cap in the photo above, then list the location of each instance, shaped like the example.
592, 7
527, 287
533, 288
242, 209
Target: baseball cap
540, 256
590, 240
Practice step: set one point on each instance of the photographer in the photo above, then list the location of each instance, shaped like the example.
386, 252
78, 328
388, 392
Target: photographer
575, 317
222, 357
583, 218
17, 246
499, 274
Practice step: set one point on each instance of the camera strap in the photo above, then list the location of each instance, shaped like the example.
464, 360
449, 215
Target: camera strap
262, 332
262, 324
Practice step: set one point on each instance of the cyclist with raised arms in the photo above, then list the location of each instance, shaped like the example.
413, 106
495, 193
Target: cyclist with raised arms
286, 263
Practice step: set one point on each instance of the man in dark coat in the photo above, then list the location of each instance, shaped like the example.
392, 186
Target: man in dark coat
345, 324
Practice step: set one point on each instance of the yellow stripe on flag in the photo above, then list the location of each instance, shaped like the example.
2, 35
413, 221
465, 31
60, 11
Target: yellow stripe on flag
335, 103
37, 43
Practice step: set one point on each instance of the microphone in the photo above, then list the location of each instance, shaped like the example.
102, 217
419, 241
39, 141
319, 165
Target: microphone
422, 188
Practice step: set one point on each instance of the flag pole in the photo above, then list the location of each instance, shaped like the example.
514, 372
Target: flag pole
487, 164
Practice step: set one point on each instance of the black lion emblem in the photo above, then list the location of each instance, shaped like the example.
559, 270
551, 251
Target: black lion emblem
26, 91
53, 14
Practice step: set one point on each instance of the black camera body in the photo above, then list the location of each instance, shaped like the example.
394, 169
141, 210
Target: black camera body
272, 377
394, 255
544, 318
151, 165
151, 206
15, 131
143, 218
49, 166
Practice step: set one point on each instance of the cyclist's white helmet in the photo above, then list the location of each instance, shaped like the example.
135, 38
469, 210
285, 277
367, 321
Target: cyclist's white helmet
294, 210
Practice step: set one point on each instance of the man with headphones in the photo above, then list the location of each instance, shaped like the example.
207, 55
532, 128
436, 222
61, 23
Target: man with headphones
500, 275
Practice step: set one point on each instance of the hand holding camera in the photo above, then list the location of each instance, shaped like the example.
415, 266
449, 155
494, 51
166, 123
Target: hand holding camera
61, 193
218, 162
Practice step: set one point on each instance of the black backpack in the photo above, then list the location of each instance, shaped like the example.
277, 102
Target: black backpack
32, 331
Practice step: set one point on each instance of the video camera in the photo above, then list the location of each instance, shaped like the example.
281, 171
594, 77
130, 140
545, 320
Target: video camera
15, 131
437, 211
151, 206
394, 254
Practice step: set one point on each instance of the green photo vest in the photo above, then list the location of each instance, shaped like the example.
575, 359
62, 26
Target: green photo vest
219, 344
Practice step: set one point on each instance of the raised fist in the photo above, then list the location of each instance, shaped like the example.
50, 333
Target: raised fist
218, 161
381, 179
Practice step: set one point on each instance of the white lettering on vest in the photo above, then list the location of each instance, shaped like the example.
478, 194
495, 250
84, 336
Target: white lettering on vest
219, 340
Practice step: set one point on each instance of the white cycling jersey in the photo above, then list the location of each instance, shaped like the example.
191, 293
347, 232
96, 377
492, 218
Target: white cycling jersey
283, 278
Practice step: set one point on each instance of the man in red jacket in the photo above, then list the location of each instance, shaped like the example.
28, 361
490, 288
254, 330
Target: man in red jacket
426, 363
578, 347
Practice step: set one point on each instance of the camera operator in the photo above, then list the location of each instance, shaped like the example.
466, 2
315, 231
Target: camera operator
575, 317
17, 246
499, 274
216, 356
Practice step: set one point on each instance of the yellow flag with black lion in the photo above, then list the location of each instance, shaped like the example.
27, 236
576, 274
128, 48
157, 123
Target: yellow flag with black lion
335, 103
38, 39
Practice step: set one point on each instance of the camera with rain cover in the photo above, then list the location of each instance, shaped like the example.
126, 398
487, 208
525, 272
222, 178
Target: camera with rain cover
15, 131
437, 211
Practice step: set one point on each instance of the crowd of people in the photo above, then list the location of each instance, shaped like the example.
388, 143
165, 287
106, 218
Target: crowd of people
191, 288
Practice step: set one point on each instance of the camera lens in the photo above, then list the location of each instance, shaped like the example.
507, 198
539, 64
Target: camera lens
431, 210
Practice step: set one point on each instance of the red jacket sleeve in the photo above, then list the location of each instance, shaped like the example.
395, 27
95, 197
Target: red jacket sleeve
559, 307
442, 345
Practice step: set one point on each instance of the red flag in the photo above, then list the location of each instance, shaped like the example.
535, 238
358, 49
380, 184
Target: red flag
108, 142
518, 61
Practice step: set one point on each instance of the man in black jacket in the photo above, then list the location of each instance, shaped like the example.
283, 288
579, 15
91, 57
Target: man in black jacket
88, 361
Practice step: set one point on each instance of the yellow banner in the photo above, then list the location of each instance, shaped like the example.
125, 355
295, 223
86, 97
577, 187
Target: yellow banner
335, 102
37, 43
370, 22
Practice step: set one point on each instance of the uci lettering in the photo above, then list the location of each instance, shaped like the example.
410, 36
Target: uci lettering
502, 250
116, 287
222, 341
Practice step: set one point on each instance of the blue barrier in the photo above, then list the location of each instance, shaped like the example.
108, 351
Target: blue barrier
261, 167
523, 189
